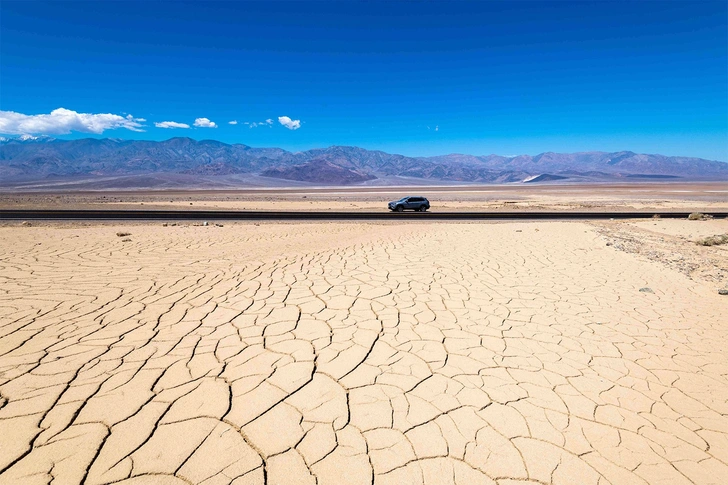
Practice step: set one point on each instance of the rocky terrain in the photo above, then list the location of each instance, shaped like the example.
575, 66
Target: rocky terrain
319, 171
23, 160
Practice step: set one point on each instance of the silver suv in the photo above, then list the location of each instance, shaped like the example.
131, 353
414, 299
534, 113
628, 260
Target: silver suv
420, 204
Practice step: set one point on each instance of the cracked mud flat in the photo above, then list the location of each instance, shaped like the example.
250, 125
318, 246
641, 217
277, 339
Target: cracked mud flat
369, 353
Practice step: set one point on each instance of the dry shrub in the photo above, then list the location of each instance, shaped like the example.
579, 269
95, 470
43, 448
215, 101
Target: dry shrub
713, 240
697, 216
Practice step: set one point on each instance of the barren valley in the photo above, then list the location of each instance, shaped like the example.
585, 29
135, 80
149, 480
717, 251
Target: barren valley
703, 196
330, 353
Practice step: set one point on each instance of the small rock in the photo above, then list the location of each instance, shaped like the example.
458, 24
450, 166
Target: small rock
609, 244
164, 224
518, 230
123, 234
723, 291
126, 240
646, 290
218, 225
26, 224
204, 223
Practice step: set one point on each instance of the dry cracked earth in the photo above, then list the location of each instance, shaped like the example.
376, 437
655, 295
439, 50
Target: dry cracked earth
339, 353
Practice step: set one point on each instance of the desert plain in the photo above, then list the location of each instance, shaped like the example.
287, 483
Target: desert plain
679, 196
493, 352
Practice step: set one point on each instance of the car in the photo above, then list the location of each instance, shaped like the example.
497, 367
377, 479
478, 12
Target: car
415, 203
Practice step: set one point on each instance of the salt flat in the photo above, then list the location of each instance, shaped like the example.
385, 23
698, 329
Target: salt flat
340, 353
678, 196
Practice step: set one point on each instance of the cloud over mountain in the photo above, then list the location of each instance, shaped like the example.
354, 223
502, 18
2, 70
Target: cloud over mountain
289, 123
255, 124
63, 121
171, 124
205, 123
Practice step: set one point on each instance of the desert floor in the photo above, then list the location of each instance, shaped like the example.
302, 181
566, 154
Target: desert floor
334, 353
680, 196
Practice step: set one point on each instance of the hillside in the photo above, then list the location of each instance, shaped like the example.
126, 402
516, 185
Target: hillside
27, 159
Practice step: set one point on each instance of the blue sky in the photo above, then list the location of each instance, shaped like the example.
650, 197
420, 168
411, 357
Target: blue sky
413, 78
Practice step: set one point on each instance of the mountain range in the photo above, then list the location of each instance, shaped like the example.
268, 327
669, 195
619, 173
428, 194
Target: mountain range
33, 161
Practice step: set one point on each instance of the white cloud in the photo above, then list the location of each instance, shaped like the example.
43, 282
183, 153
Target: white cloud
205, 123
255, 124
233, 122
437, 128
289, 123
171, 124
63, 121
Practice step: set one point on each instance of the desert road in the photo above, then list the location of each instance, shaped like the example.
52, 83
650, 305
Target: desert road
303, 215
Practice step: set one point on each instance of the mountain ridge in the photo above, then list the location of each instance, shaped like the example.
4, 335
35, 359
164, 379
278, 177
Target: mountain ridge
38, 158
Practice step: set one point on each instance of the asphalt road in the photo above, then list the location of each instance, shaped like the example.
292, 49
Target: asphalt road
32, 214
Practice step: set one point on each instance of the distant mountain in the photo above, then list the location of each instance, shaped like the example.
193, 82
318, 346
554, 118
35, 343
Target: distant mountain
544, 177
26, 159
27, 138
319, 171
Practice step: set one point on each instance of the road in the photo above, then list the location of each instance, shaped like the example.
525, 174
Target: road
12, 214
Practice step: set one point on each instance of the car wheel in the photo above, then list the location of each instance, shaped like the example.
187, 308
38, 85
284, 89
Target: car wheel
399, 208
423, 208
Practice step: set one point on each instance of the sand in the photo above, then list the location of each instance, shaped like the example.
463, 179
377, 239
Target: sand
679, 196
332, 353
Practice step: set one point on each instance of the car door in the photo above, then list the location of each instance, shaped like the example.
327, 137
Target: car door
410, 204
